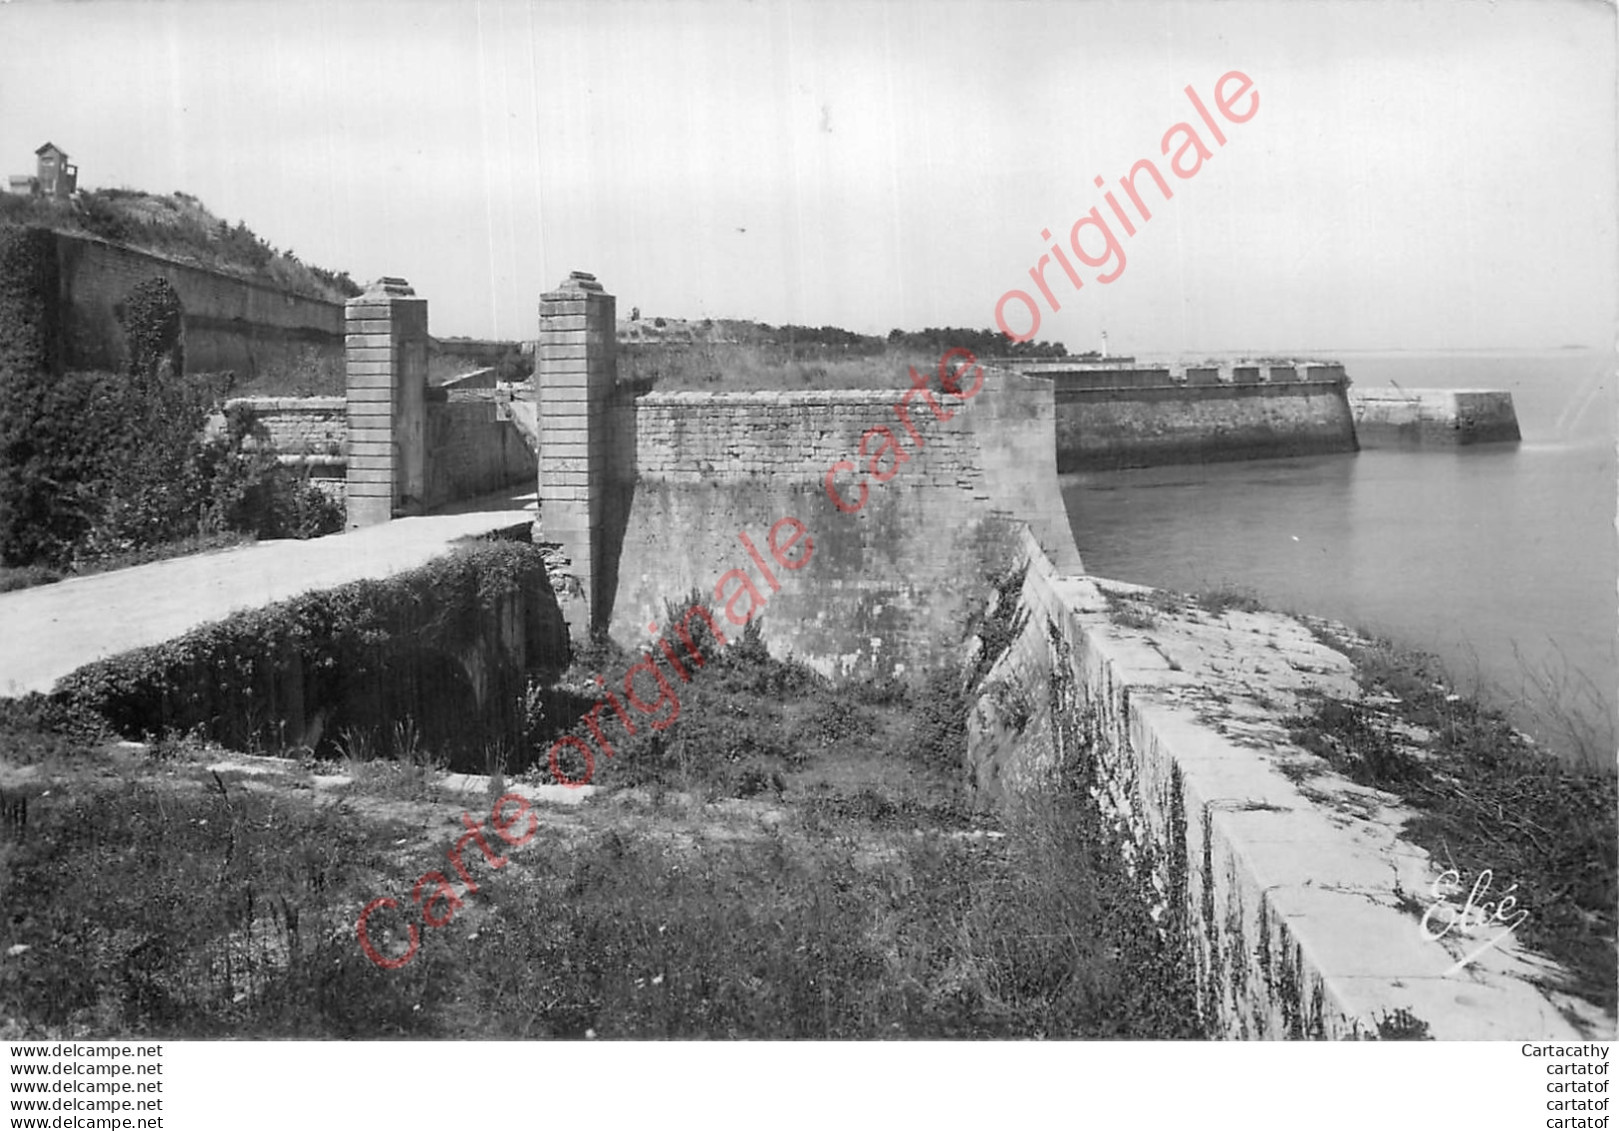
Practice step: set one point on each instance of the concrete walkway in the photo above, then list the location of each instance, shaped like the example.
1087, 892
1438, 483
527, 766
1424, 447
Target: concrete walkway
51, 630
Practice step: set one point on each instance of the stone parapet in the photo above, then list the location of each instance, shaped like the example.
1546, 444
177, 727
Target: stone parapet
1291, 891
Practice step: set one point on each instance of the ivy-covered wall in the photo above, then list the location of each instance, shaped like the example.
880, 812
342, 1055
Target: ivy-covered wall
445, 649
30, 315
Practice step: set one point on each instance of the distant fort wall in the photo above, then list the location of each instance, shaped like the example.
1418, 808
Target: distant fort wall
1144, 416
1442, 417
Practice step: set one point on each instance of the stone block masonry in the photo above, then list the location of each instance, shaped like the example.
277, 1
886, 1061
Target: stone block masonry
1134, 423
586, 462
387, 386
474, 447
1292, 901
1436, 417
896, 565
230, 323
315, 427
309, 436
648, 500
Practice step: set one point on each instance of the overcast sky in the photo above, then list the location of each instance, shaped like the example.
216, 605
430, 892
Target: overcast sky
1416, 176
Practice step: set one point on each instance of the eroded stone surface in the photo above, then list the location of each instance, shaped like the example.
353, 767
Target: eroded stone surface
1305, 900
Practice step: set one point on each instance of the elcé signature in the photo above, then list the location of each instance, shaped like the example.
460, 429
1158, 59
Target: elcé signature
1475, 915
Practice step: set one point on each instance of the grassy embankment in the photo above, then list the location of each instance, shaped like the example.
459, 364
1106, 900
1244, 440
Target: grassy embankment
789, 859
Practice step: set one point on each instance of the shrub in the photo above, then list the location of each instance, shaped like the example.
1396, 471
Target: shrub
366, 652
99, 215
152, 322
96, 466
29, 332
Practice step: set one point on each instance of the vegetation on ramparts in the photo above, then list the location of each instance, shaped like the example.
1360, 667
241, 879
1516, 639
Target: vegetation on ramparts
181, 227
365, 650
101, 466
730, 355
789, 859
1488, 798
29, 333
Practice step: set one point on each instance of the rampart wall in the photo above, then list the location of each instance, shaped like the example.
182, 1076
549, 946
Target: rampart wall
300, 425
1442, 417
1290, 900
1142, 424
474, 447
888, 586
230, 323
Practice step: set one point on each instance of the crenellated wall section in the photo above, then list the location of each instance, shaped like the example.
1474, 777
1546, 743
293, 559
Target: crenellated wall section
1146, 417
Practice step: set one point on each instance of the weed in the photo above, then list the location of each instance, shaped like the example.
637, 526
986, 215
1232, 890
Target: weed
1487, 798
1128, 613
1227, 598
1402, 1025
1011, 701
1001, 622
1358, 743
863, 913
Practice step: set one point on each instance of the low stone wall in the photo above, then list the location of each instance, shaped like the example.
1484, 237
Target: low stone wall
1443, 417
300, 425
1292, 903
887, 587
474, 447
1198, 421
307, 434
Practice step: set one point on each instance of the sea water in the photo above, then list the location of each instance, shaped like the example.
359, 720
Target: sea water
1500, 559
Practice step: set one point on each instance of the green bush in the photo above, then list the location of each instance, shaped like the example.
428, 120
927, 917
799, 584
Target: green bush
152, 323
96, 466
363, 655
29, 334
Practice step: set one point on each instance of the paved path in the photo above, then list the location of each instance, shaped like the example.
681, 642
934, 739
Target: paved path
50, 630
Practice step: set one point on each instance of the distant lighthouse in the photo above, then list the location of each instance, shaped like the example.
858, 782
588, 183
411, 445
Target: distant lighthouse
1104, 345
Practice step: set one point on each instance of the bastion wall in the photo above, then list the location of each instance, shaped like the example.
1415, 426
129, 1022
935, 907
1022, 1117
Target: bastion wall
1440, 417
229, 322
888, 587
1148, 420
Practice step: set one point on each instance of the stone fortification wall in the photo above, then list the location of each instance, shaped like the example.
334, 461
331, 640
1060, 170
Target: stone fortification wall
1291, 900
1443, 417
888, 584
230, 323
300, 425
1201, 420
474, 447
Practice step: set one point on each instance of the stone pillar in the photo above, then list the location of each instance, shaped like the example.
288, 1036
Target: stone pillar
575, 368
386, 355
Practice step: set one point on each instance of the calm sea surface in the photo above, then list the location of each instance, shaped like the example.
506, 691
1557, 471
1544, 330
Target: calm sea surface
1500, 559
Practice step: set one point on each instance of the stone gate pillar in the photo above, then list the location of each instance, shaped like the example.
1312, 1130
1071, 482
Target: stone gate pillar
575, 368
386, 356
